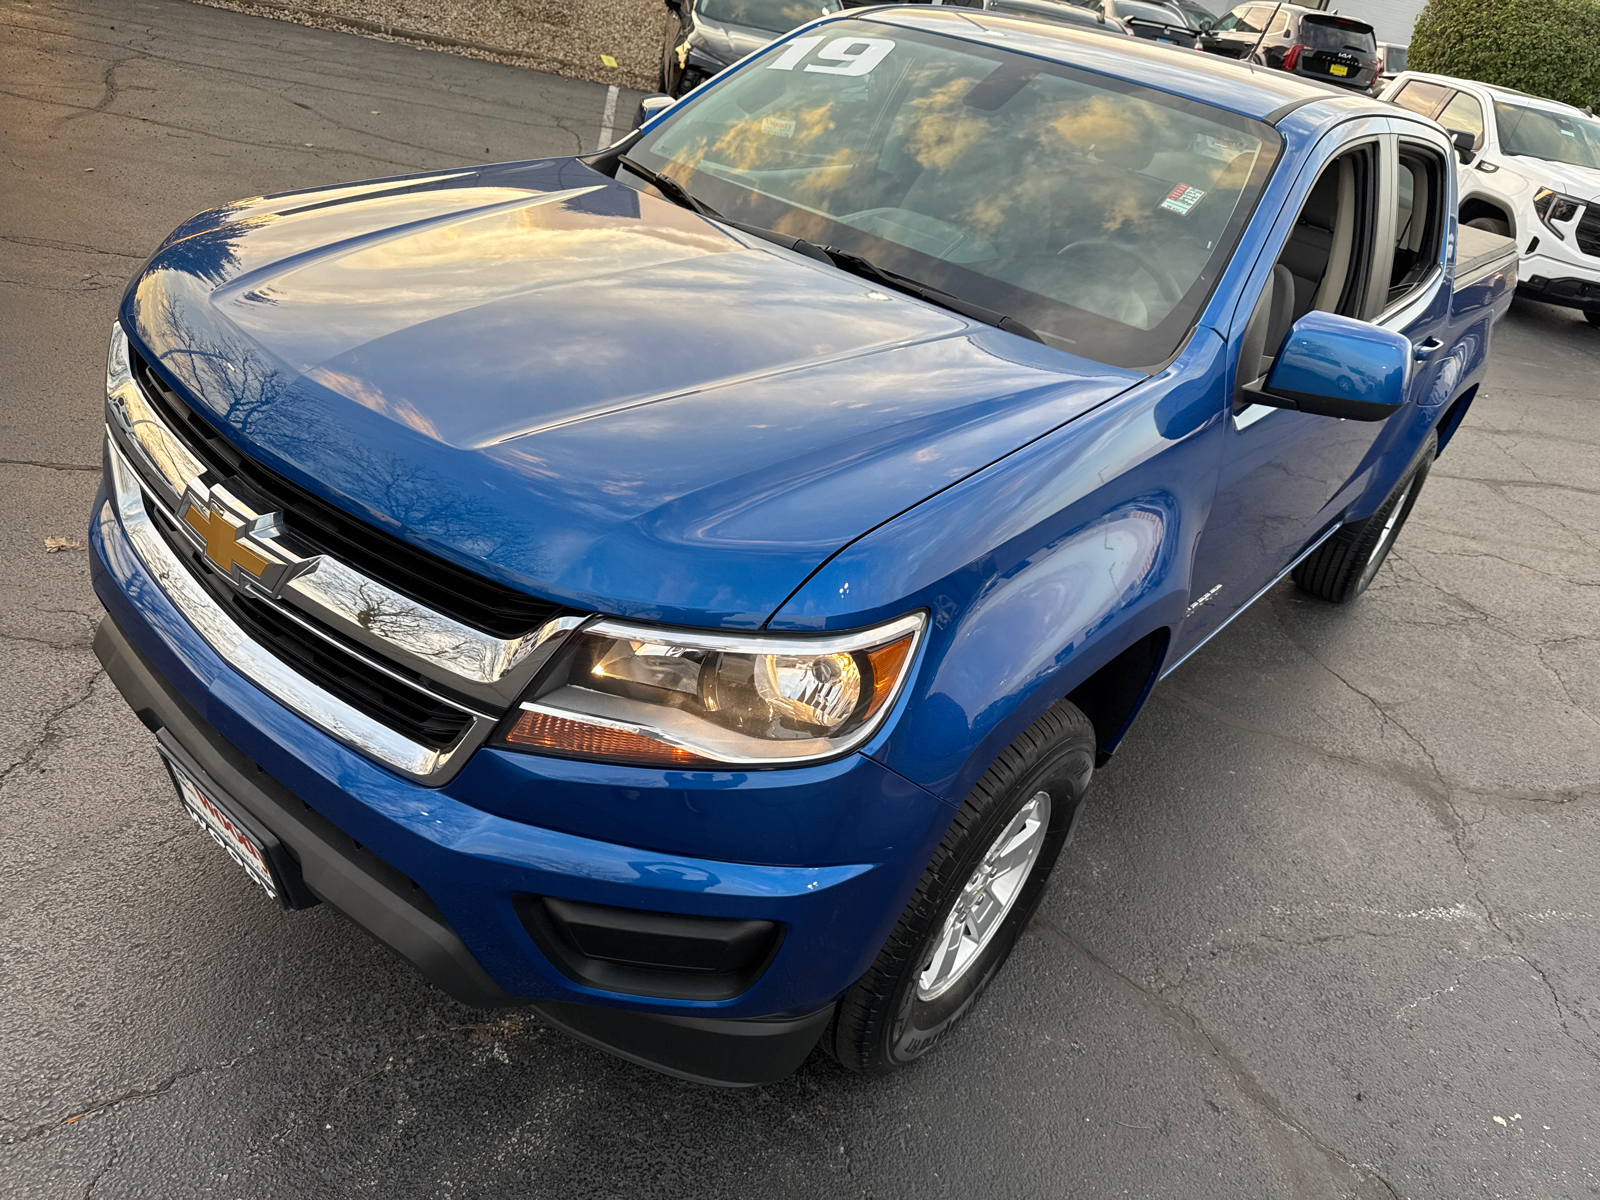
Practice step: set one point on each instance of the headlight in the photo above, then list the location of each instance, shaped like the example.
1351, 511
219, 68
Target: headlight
118, 372
1554, 208
674, 698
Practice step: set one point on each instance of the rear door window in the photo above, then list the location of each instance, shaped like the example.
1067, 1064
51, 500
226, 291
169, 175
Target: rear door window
1421, 188
1421, 97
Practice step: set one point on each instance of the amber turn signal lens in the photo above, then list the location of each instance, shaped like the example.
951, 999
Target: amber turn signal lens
541, 731
886, 663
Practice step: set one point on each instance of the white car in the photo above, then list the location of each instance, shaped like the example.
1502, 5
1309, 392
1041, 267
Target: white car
1533, 174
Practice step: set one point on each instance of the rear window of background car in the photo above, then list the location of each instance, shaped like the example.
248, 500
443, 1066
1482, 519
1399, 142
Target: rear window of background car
1323, 33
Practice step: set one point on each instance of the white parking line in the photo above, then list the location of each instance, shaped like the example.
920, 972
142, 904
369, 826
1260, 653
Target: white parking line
609, 118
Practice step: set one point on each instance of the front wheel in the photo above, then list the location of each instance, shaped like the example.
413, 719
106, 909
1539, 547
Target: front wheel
973, 901
1491, 225
1593, 318
1343, 566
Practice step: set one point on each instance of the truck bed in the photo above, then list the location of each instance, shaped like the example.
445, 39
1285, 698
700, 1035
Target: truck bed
1480, 253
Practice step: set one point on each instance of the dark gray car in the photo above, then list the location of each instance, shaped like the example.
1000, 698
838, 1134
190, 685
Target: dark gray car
704, 36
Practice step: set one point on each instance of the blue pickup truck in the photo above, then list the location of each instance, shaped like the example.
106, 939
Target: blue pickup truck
688, 589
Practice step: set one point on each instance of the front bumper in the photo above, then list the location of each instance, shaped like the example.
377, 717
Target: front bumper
1568, 292
437, 877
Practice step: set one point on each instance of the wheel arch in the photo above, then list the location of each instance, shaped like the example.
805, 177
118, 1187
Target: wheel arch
1475, 206
1112, 697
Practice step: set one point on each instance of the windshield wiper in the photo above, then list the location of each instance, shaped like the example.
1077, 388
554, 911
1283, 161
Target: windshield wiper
868, 269
669, 187
843, 259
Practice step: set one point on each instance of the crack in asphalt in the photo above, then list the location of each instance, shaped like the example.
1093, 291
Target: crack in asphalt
73, 247
108, 84
48, 731
1239, 1073
49, 466
104, 1106
486, 111
111, 1161
312, 151
1548, 485
78, 288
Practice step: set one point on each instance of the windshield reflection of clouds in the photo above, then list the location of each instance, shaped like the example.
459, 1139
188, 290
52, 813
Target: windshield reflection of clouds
1052, 197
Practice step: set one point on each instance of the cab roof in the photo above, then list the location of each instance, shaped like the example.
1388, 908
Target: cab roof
1226, 83
1494, 89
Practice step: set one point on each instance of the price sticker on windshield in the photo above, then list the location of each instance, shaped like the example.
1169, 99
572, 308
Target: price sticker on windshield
1182, 198
841, 56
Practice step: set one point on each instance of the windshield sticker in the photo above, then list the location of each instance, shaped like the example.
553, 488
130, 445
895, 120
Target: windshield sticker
842, 56
778, 126
1182, 198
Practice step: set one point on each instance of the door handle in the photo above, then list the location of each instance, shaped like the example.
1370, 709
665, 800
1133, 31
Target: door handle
1423, 351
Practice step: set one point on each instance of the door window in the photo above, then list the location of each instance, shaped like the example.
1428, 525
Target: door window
1421, 186
1465, 113
1422, 97
1251, 20
1324, 264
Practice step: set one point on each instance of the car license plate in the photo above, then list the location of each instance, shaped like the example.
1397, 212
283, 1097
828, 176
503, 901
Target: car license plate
1168, 41
1338, 69
226, 828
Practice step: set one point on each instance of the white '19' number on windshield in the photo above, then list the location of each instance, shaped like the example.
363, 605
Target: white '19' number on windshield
854, 55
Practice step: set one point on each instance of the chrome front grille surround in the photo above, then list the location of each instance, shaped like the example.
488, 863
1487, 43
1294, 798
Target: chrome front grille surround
164, 492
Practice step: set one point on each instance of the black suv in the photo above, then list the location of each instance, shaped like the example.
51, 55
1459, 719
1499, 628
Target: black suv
1302, 41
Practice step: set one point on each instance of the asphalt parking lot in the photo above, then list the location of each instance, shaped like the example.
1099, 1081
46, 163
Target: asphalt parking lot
1328, 929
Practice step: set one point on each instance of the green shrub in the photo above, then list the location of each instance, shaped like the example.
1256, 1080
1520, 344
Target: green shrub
1543, 47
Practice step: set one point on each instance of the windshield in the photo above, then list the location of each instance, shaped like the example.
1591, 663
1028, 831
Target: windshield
775, 16
1097, 212
1131, 10
1541, 133
1325, 34
1198, 16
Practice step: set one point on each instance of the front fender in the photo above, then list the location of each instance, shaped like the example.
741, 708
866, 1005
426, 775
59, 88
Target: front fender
1037, 571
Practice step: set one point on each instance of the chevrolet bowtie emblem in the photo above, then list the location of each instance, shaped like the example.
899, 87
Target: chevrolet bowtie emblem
221, 537
243, 548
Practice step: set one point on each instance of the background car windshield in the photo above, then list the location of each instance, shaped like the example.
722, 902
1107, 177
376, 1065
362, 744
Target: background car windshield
775, 16
1332, 35
1539, 133
1095, 211
1197, 15
1158, 13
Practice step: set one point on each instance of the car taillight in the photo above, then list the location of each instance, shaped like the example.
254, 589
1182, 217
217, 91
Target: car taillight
1292, 57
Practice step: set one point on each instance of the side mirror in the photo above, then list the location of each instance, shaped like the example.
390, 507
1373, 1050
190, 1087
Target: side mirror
1466, 144
1333, 366
650, 106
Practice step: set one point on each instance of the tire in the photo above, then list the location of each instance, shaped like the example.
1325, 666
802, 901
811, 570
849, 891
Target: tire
691, 78
1343, 566
1491, 225
907, 1002
1593, 318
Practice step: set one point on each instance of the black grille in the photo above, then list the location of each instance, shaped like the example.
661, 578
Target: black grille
409, 710
1588, 231
443, 587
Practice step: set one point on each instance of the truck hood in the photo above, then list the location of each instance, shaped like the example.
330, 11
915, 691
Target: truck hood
1567, 178
581, 390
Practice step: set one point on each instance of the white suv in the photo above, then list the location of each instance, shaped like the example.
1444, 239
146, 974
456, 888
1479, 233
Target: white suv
1533, 174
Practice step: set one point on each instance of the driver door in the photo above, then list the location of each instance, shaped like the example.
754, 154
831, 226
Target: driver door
1286, 476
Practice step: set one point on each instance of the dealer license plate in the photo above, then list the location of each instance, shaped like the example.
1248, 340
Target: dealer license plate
1338, 69
226, 829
